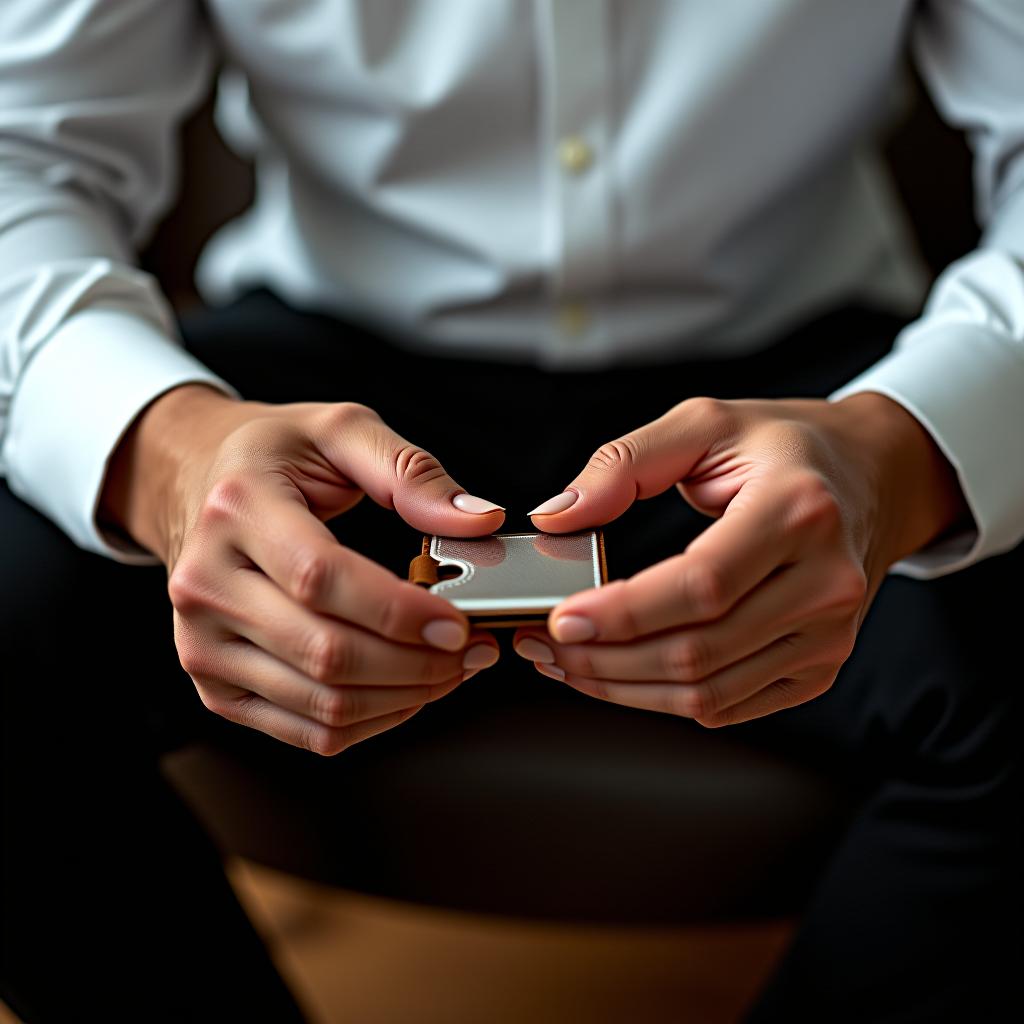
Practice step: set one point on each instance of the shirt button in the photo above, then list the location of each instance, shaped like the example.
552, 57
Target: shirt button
573, 319
575, 154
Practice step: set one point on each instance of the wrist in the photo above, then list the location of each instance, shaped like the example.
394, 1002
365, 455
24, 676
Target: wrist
919, 494
146, 472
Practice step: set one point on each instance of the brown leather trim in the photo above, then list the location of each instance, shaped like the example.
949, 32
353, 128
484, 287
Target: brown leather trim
602, 561
423, 568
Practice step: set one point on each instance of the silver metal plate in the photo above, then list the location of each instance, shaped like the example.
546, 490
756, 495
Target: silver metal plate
517, 573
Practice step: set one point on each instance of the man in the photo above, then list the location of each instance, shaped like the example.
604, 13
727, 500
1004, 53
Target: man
641, 200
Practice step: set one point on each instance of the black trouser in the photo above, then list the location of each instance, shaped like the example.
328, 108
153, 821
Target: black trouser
114, 900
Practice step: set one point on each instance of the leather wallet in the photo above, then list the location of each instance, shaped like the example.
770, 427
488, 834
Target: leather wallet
510, 579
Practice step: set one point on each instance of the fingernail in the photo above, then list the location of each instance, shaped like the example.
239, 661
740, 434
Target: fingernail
550, 670
480, 656
471, 503
559, 503
444, 633
573, 629
533, 650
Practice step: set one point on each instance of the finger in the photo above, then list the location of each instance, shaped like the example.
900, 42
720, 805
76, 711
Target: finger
300, 554
257, 713
639, 464
777, 696
791, 656
401, 476
248, 668
334, 652
784, 603
753, 538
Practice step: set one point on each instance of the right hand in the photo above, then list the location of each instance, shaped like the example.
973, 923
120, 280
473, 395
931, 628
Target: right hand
281, 627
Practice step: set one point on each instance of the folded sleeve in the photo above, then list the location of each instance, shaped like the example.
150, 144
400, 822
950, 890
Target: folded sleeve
959, 369
91, 95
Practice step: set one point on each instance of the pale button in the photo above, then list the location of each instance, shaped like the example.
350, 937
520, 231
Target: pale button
573, 319
575, 154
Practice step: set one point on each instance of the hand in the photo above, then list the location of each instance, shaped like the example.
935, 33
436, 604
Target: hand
814, 501
281, 627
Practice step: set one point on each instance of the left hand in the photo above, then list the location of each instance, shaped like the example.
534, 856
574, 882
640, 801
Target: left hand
814, 500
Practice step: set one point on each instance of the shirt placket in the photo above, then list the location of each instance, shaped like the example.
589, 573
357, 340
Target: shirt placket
575, 140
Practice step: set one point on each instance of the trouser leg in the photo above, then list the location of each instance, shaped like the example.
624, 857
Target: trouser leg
917, 916
114, 900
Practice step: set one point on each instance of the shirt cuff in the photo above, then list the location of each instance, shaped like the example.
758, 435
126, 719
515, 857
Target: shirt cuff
965, 384
74, 401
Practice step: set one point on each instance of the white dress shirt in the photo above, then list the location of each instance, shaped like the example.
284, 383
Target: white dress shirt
573, 182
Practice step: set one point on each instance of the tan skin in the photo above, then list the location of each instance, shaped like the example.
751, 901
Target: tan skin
285, 630
281, 627
814, 502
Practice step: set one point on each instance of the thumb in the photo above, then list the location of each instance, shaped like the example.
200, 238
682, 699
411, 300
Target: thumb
639, 464
402, 476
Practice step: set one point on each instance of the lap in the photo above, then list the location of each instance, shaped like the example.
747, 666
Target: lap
516, 434
931, 678
926, 700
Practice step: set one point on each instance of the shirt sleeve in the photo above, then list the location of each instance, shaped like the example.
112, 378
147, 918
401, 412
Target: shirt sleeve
91, 94
959, 369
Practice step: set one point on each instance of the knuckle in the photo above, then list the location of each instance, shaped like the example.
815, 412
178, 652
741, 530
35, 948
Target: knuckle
717, 413
433, 669
244, 709
690, 702
414, 465
325, 741
827, 652
822, 683
579, 661
789, 692
225, 501
843, 647
193, 592
345, 415
346, 421
334, 707
194, 655
392, 616
309, 576
686, 659
814, 505
848, 587
816, 684
714, 721
704, 589
619, 454
625, 596
327, 655
191, 659
423, 695
186, 588
407, 713
212, 701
